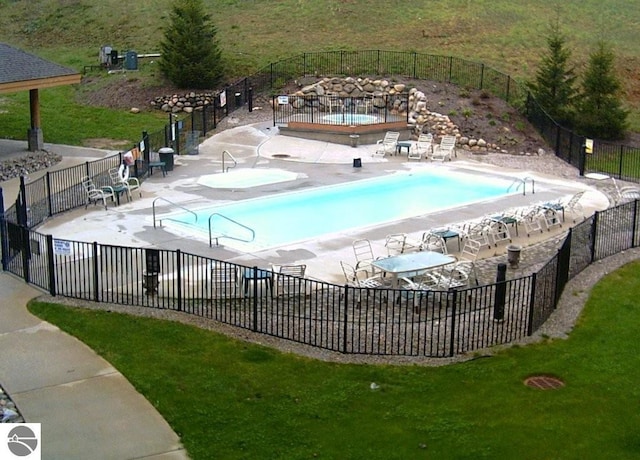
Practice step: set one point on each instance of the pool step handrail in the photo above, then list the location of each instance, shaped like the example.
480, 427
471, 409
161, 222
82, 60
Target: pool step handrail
228, 154
522, 182
226, 235
153, 207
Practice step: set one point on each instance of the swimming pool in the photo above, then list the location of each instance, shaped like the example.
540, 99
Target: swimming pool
286, 218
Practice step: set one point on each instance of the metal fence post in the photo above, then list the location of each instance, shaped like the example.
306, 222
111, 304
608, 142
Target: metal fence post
345, 319
178, 254
532, 303
594, 235
51, 266
4, 236
96, 270
452, 294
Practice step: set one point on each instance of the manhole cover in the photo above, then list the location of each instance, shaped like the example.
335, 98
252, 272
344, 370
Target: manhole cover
544, 382
280, 155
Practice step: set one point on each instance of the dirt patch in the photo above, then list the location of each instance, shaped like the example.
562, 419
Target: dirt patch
479, 114
106, 144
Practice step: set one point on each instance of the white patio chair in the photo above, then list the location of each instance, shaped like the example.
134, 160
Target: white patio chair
388, 145
428, 242
225, 281
423, 147
95, 194
395, 243
445, 150
457, 275
364, 256
571, 205
290, 279
120, 178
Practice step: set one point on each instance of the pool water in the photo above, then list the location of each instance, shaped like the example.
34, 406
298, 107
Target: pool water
291, 217
350, 119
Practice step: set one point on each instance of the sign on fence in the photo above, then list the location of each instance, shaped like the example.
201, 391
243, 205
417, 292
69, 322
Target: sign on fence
61, 247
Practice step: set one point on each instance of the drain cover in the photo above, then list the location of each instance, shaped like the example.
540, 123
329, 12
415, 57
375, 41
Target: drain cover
544, 382
280, 155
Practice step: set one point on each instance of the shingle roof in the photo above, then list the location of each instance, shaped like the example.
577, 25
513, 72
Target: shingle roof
19, 66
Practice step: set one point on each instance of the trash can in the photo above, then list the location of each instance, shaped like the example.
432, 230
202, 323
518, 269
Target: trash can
166, 156
131, 60
354, 139
513, 255
357, 162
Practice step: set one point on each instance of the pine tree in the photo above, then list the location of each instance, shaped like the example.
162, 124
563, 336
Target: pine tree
600, 111
191, 57
554, 86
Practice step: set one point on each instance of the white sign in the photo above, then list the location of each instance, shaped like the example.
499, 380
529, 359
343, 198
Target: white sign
20, 441
283, 100
223, 99
61, 248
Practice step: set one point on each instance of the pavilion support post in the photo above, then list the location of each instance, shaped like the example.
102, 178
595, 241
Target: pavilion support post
34, 135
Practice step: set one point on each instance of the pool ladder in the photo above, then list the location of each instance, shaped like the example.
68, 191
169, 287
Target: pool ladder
226, 235
522, 182
225, 153
212, 237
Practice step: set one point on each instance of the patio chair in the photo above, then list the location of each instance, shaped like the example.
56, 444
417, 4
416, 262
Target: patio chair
120, 182
388, 145
364, 256
457, 275
290, 279
225, 282
445, 150
395, 243
571, 205
124, 178
95, 194
429, 241
423, 147
529, 216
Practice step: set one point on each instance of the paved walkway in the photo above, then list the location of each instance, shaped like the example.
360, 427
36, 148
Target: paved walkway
86, 408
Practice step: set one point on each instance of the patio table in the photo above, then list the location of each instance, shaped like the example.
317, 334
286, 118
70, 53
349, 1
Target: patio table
411, 264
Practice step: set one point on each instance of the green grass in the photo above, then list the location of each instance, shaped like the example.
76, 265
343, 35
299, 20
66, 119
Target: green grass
229, 399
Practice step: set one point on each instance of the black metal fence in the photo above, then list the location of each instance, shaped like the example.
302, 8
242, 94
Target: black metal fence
339, 318
616, 160
340, 110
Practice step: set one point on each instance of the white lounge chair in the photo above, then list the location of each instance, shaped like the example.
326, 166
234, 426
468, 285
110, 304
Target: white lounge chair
423, 147
95, 194
445, 150
571, 205
388, 145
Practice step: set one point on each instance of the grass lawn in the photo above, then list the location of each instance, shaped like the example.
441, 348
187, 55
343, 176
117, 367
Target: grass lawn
229, 399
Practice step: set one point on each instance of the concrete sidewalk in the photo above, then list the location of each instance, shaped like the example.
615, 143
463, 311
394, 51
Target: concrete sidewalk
86, 408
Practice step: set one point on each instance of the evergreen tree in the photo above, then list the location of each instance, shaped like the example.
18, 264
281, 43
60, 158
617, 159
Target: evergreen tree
554, 86
600, 111
191, 57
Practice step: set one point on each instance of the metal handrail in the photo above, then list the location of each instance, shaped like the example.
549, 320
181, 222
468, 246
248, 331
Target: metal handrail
253, 233
522, 182
153, 207
235, 163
